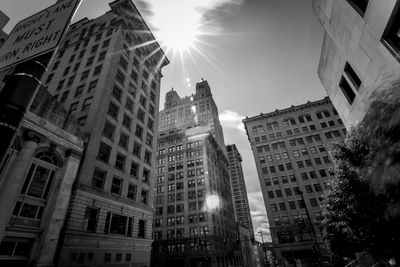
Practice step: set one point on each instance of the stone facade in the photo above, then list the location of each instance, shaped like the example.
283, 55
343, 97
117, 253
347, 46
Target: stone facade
238, 188
360, 52
245, 241
107, 74
36, 179
194, 221
290, 151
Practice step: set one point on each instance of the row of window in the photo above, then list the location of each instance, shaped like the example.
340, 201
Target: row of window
99, 179
299, 220
120, 160
116, 224
173, 149
288, 192
293, 179
293, 205
81, 257
180, 185
180, 220
270, 126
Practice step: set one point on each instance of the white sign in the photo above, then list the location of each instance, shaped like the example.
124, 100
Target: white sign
38, 34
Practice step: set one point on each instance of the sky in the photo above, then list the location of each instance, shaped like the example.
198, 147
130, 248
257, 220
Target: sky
257, 55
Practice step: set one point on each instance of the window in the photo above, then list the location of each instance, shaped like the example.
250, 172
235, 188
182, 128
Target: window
116, 224
120, 162
64, 96
347, 90
144, 196
102, 56
73, 107
127, 122
391, 38
92, 86
313, 202
134, 169
107, 257
116, 186
308, 188
106, 42
85, 74
131, 191
136, 149
120, 77
108, 130
99, 178
286, 237
90, 219
288, 192
94, 49
351, 74
129, 105
274, 207
146, 176
300, 164
142, 228
123, 63
271, 194
104, 152
359, 5
140, 115
113, 110
278, 193
116, 93
60, 85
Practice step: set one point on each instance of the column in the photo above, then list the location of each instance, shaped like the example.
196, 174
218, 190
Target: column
15, 178
57, 207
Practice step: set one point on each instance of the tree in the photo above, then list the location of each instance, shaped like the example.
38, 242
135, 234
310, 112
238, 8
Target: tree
363, 206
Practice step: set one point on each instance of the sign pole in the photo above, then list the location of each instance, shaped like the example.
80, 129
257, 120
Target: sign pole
29, 48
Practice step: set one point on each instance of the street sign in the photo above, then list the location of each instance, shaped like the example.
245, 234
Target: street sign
37, 34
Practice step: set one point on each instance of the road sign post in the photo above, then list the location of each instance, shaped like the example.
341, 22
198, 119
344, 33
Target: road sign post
29, 48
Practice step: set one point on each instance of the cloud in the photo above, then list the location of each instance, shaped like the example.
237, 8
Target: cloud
197, 13
259, 215
231, 119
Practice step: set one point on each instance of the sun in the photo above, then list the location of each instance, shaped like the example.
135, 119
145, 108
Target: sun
177, 30
178, 37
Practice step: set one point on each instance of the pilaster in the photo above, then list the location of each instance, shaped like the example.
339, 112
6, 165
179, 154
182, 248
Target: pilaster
15, 178
57, 208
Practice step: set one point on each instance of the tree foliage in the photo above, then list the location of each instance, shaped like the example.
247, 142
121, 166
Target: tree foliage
363, 206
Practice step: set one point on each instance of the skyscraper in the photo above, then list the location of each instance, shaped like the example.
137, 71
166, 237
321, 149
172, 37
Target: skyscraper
360, 53
107, 73
194, 222
290, 151
238, 188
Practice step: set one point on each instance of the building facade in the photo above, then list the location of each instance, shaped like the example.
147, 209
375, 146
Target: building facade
360, 52
194, 221
238, 188
246, 246
107, 74
290, 151
36, 178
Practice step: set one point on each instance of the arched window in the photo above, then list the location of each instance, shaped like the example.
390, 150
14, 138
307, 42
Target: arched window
37, 185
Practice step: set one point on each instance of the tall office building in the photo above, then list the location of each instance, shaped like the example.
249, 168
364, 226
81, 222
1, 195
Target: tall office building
360, 52
194, 221
290, 151
107, 74
238, 188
